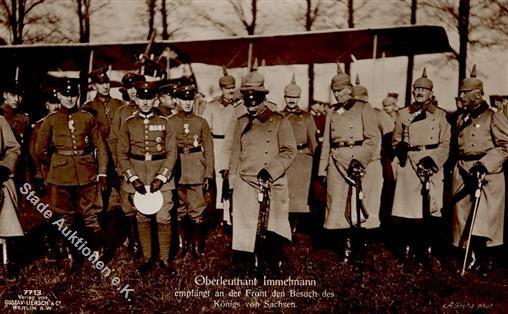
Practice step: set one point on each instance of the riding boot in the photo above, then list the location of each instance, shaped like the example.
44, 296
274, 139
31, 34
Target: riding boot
481, 263
183, 233
348, 248
197, 240
145, 239
132, 234
164, 234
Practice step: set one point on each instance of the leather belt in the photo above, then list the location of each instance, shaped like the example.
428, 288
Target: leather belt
302, 146
218, 136
73, 152
418, 148
147, 157
346, 144
189, 150
469, 157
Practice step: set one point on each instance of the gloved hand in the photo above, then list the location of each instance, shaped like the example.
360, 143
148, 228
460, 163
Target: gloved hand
155, 185
224, 173
103, 184
4, 173
264, 175
207, 184
355, 170
139, 186
322, 179
401, 152
478, 170
426, 166
40, 187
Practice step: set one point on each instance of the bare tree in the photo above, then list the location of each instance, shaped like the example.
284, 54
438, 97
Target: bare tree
150, 5
410, 57
18, 14
171, 11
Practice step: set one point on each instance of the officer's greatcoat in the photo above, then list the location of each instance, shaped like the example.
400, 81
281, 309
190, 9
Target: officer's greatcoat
268, 142
427, 134
483, 138
351, 132
304, 130
219, 113
10, 151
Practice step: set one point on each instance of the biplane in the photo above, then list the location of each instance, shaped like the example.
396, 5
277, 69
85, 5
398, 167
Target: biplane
314, 47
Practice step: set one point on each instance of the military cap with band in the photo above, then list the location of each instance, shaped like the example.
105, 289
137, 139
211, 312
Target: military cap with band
187, 92
340, 80
99, 75
130, 78
146, 90
14, 87
359, 92
226, 81
169, 87
292, 89
51, 96
254, 81
423, 81
471, 83
69, 87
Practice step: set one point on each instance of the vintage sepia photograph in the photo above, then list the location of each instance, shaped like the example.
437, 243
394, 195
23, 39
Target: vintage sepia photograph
245, 156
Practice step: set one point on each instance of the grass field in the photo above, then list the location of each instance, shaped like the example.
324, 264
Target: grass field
382, 286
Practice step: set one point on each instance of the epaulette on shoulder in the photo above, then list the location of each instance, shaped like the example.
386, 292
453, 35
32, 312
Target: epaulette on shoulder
278, 113
133, 115
91, 111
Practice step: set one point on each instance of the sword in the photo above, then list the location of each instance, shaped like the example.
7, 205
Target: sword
477, 194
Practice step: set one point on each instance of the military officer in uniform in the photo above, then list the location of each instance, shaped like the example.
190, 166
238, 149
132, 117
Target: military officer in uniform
129, 80
263, 148
66, 144
299, 173
20, 125
351, 138
167, 100
146, 153
219, 113
195, 149
421, 142
482, 148
104, 107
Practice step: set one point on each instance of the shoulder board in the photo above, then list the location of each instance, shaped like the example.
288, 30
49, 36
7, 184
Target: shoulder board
277, 113
26, 114
41, 119
163, 117
91, 111
133, 115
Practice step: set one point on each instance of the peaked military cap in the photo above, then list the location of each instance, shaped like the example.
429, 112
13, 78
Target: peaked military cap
470, 83
169, 87
14, 87
340, 80
226, 81
254, 81
130, 78
99, 75
187, 92
292, 89
51, 96
423, 81
146, 90
69, 87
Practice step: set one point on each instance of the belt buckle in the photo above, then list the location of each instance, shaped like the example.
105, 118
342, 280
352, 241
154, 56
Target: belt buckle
148, 157
350, 143
422, 148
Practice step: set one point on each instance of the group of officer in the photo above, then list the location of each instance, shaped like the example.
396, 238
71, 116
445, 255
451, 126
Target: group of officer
261, 163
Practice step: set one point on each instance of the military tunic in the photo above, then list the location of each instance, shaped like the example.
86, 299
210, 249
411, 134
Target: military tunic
426, 137
67, 142
483, 139
219, 114
10, 151
299, 173
269, 143
195, 149
104, 109
351, 132
146, 149
40, 170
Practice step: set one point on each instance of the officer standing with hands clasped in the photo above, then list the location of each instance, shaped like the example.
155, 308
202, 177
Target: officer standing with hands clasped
66, 144
195, 149
263, 148
146, 153
421, 141
483, 149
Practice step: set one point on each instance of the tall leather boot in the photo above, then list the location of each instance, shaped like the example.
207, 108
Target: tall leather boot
145, 238
481, 262
183, 234
348, 248
133, 237
164, 234
197, 239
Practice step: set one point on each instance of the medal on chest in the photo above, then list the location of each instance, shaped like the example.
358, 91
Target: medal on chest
146, 121
186, 129
195, 143
71, 126
340, 111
